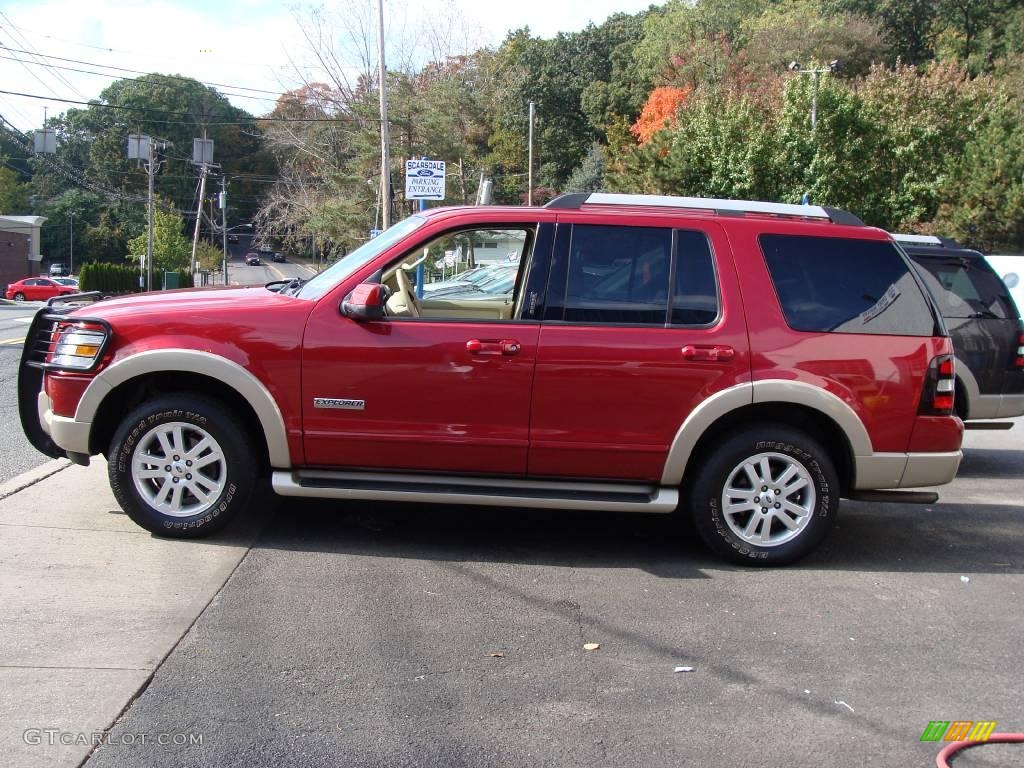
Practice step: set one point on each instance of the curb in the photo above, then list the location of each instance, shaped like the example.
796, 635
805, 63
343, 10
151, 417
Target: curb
33, 476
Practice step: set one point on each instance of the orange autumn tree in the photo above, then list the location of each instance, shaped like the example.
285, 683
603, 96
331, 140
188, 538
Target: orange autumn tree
659, 112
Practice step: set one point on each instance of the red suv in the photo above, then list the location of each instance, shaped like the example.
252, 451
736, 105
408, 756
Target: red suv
750, 363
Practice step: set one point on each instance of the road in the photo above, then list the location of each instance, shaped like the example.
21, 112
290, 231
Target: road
364, 634
18, 455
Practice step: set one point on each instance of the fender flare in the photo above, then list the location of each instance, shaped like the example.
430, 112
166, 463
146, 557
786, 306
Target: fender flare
970, 384
765, 391
206, 364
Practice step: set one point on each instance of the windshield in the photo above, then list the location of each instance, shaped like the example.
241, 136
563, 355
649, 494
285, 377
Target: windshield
360, 257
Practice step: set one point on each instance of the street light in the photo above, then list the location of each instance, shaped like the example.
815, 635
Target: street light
833, 67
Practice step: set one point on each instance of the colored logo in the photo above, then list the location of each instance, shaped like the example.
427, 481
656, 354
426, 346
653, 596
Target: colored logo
958, 730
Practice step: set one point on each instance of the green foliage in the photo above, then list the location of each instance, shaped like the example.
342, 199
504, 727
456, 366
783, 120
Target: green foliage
799, 31
172, 250
108, 278
209, 256
13, 193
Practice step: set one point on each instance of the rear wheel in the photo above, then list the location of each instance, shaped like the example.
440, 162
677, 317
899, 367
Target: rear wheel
766, 496
180, 466
19, 296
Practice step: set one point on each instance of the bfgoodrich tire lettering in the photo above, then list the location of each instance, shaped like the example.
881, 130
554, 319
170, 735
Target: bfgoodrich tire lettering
766, 496
180, 466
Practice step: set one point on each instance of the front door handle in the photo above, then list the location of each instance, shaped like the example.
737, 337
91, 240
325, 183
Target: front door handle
505, 347
708, 353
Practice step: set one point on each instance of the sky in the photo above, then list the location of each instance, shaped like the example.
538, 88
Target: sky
255, 48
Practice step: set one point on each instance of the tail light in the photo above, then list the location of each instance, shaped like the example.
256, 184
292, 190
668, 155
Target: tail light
1019, 359
939, 386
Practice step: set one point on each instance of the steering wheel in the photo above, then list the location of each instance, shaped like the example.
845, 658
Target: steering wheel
406, 295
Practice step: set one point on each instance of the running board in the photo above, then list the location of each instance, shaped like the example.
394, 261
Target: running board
988, 425
492, 492
895, 497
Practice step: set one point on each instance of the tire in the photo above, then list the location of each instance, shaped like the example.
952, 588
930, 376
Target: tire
212, 489
804, 490
19, 296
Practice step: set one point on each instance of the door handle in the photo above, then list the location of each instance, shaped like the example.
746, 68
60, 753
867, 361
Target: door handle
505, 347
708, 353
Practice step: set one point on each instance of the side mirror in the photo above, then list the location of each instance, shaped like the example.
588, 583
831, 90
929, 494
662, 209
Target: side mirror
366, 302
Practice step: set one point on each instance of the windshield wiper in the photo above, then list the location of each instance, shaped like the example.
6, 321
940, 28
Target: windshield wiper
986, 313
288, 286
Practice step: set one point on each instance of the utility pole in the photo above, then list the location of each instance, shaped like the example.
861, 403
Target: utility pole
71, 243
224, 221
199, 212
529, 171
385, 160
151, 169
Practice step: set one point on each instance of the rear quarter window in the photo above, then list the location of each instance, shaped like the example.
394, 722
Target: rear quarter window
845, 285
965, 287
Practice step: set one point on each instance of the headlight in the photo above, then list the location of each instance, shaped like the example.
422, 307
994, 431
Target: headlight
77, 347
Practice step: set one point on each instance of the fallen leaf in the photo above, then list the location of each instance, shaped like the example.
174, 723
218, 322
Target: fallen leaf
497, 655
591, 646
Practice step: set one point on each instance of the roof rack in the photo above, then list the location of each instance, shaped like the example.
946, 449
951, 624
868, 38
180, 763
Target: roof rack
576, 200
932, 240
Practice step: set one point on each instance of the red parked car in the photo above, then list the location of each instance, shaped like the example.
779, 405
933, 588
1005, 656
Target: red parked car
37, 289
747, 363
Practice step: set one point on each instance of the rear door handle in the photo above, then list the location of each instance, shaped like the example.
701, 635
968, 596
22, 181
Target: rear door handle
708, 353
505, 347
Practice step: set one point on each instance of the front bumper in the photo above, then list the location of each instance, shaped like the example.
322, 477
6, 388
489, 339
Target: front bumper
69, 435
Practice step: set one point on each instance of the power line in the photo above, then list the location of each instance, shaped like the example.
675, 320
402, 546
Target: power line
34, 52
339, 119
107, 49
71, 176
122, 77
140, 72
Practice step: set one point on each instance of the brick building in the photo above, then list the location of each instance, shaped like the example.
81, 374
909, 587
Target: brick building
19, 248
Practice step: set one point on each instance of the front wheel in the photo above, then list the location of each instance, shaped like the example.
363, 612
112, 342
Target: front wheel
19, 296
766, 496
180, 466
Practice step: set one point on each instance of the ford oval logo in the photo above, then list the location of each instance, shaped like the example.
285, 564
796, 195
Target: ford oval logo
424, 172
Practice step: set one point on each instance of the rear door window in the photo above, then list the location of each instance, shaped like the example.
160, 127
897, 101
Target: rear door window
964, 287
638, 276
618, 275
845, 285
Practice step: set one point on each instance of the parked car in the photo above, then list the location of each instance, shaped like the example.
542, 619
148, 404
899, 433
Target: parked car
58, 270
480, 283
750, 364
38, 289
72, 281
252, 259
984, 323
470, 277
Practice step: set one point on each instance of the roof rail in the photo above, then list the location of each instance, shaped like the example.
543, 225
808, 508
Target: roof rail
932, 240
575, 200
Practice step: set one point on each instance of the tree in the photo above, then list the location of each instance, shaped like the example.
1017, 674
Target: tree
171, 249
799, 31
13, 193
659, 112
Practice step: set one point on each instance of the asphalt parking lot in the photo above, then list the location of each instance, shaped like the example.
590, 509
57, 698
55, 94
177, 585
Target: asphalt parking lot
398, 635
